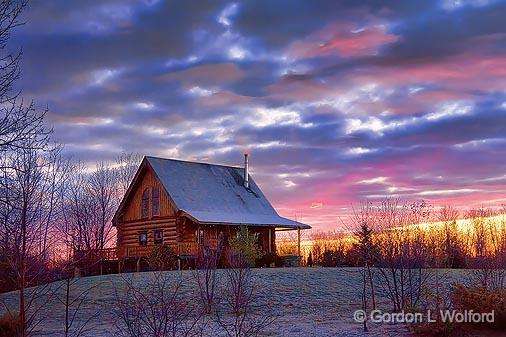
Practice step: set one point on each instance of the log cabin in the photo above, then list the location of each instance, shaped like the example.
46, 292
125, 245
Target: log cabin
190, 206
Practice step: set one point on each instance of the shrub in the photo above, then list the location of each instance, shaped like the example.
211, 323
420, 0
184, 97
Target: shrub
162, 257
456, 259
354, 257
479, 300
482, 300
38, 271
279, 261
331, 258
310, 260
10, 325
244, 248
265, 260
434, 329
269, 259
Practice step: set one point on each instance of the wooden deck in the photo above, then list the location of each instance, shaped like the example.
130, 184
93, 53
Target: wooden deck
118, 253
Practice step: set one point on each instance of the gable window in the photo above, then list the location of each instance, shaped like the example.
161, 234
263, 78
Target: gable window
158, 236
145, 203
199, 236
155, 202
143, 238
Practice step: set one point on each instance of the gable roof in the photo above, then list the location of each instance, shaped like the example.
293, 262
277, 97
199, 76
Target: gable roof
211, 193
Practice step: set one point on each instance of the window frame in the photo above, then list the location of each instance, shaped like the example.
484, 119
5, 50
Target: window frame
146, 195
158, 240
143, 243
155, 195
199, 236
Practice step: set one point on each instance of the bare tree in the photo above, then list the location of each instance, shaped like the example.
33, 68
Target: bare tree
362, 223
478, 219
56, 173
239, 314
402, 277
159, 308
74, 324
30, 177
73, 299
487, 233
77, 211
127, 164
102, 188
206, 275
88, 201
451, 245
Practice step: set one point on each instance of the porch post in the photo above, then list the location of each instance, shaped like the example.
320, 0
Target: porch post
298, 245
270, 240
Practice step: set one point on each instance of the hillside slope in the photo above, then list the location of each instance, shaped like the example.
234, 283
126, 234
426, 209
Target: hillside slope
305, 301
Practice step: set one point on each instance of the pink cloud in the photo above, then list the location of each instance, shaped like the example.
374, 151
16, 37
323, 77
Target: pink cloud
345, 40
397, 89
223, 99
409, 178
470, 71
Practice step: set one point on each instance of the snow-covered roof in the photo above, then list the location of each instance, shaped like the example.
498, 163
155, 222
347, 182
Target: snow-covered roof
212, 193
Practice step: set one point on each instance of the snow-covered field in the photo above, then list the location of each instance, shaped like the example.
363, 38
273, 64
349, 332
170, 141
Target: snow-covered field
305, 302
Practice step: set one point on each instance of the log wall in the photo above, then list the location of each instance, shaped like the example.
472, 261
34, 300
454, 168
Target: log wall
131, 224
133, 206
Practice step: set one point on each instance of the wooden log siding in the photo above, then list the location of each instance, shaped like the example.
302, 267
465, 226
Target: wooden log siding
132, 222
133, 206
128, 233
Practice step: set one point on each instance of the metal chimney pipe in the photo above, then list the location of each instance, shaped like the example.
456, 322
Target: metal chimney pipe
246, 171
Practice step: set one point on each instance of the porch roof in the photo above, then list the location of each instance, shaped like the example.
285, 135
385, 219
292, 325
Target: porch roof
245, 219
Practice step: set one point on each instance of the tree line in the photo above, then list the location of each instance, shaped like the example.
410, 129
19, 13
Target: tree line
413, 233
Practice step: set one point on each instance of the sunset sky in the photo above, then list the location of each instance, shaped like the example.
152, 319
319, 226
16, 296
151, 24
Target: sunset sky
336, 101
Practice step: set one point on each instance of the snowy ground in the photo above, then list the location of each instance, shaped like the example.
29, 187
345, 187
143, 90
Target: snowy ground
305, 301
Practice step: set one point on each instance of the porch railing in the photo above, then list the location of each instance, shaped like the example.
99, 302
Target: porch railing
96, 254
182, 248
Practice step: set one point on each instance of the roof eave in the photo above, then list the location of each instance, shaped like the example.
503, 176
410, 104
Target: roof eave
298, 225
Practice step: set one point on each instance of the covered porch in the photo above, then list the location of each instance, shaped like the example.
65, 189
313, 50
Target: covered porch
198, 239
210, 236
211, 228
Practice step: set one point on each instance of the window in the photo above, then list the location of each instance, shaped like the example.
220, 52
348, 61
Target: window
145, 203
199, 236
158, 236
143, 238
155, 202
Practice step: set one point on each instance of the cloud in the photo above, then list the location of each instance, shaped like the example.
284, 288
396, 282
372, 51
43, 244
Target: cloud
206, 74
343, 40
336, 101
376, 180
